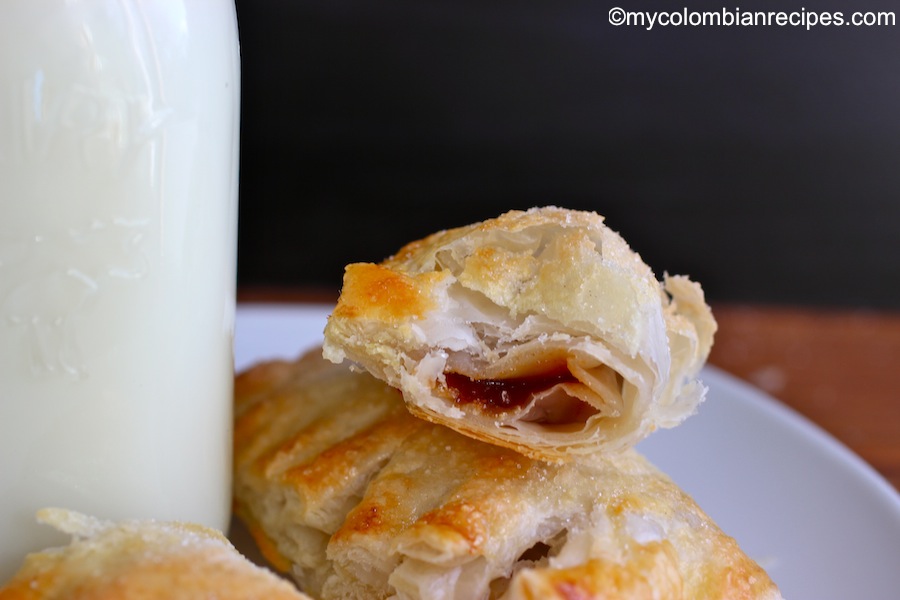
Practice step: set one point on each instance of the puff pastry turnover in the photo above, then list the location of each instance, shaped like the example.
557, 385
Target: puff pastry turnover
356, 498
140, 560
539, 330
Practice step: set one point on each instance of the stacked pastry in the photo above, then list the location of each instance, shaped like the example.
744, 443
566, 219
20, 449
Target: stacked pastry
467, 429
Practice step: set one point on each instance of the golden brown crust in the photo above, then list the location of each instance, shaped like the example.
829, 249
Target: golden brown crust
374, 291
407, 507
508, 298
652, 573
138, 560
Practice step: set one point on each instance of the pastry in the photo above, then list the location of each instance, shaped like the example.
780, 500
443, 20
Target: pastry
539, 330
140, 560
357, 499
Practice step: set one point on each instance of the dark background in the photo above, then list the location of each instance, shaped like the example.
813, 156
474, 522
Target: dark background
762, 161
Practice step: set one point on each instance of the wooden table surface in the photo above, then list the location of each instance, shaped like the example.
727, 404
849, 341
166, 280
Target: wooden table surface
839, 368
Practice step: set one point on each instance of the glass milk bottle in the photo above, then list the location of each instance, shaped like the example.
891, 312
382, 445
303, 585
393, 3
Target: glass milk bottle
118, 218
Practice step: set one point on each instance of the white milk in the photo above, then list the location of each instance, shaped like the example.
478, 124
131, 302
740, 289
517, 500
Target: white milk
118, 217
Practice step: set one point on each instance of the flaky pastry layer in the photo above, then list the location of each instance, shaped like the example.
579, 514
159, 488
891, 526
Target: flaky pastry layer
360, 500
539, 330
141, 560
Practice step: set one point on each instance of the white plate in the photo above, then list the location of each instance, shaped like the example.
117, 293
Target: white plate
818, 518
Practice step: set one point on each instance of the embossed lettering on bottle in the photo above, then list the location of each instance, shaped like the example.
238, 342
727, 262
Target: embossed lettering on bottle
118, 226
